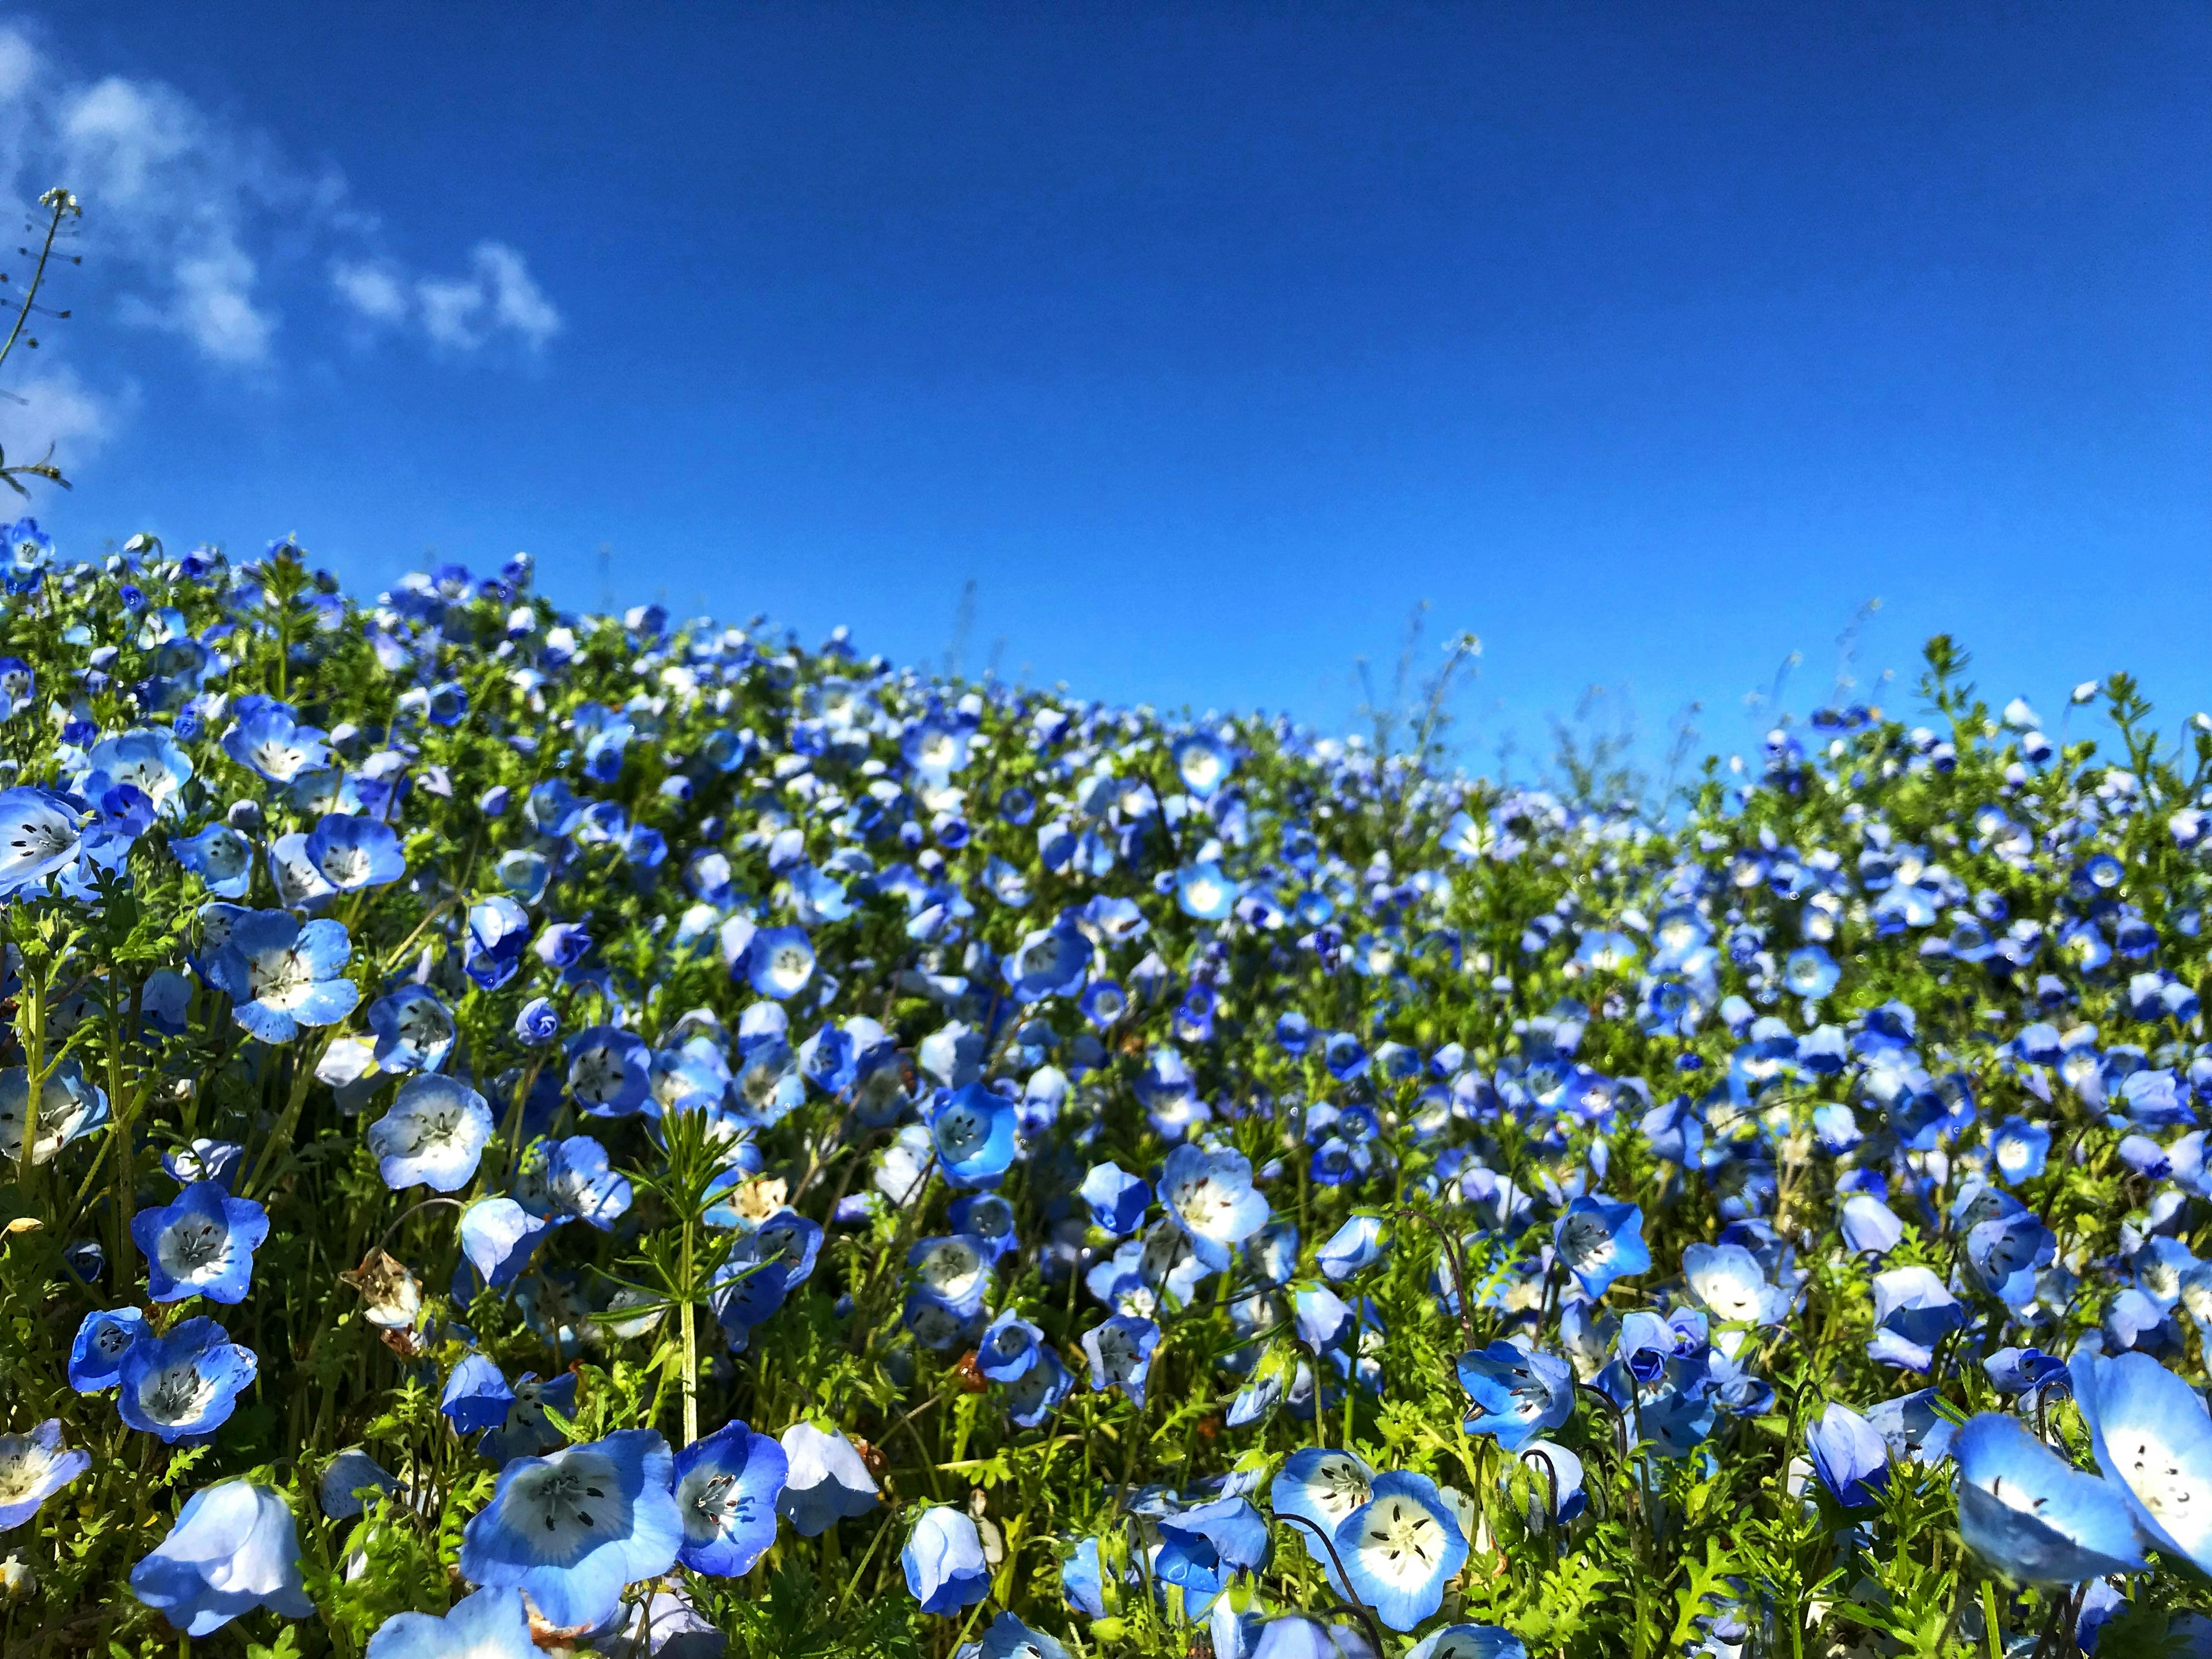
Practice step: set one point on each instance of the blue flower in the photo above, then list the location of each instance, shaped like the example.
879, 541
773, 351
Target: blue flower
1357, 1244
281, 974
571, 1180
2005, 1254
943, 1561
33, 1468
353, 853
1007, 1638
477, 1396
574, 1529
39, 834
415, 1030
221, 857
70, 1107
2031, 1515
202, 1244
974, 1132
1810, 972
1037, 1392
609, 1071
1009, 1346
346, 1475
492, 1624
2018, 1149
233, 1549
825, 1480
1600, 1241
1117, 1200
268, 739
525, 1431
499, 928
96, 1356
498, 1236
1400, 1547
1203, 1549
1324, 1487
538, 1024
2154, 1441
220, 1161
1210, 1195
726, 1488
1203, 891
1728, 1283
781, 962
1912, 1312
1120, 1354
185, 1381
1052, 962
144, 758
1850, 1455
1469, 1642
434, 1135
1515, 1395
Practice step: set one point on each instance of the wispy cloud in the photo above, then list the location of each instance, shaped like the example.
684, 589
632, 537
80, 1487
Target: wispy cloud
201, 223
498, 296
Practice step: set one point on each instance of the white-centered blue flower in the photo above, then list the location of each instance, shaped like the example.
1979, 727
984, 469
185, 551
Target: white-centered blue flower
572, 1530
415, 1029
943, 1561
609, 1071
433, 1136
2032, 1515
1120, 1354
1211, 1197
96, 1356
974, 1132
1469, 1642
825, 1479
2153, 1439
1400, 1547
233, 1549
498, 1236
492, 1624
281, 974
33, 1467
40, 831
352, 852
202, 1244
267, 737
183, 1382
726, 1488
1204, 892
1600, 1241
221, 857
70, 1107
781, 962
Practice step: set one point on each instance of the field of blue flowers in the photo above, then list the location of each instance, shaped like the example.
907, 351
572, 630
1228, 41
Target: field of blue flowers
539, 1131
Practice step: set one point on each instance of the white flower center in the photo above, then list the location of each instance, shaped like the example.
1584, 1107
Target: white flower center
1401, 1541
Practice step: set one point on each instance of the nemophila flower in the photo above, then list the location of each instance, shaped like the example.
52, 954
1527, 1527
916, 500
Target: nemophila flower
1600, 1241
221, 857
39, 834
33, 1467
1467, 1642
1203, 891
184, 1382
70, 1107
1357, 1244
2154, 1441
943, 1561
96, 1356
281, 974
1008, 1638
1912, 1312
609, 1071
825, 1480
346, 1475
779, 962
144, 758
2006, 1253
1400, 1547
726, 1488
434, 1135
974, 1134
1728, 1283
571, 1180
1870, 1226
202, 1244
1037, 1392
538, 1024
1009, 1346
477, 1396
1117, 1200
1204, 1548
1810, 972
1850, 1455
220, 1161
2034, 1516
491, 1624
1120, 1355
233, 1549
17, 682
498, 1237
499, 928
353, 853
2018, 1149
267, 737
526, 1430
1515, 1395
1210, 1195
572, 1530
415, 1029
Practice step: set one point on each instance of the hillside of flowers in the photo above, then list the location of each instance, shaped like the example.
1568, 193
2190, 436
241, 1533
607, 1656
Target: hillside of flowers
530, 1131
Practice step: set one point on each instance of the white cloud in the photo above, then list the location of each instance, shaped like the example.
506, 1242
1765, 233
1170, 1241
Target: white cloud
54, 410
462, 314
197, 221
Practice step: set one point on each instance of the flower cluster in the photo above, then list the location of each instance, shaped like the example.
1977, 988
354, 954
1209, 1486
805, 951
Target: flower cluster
1151, 1182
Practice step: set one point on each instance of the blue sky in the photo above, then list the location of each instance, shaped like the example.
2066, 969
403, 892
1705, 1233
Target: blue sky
1646, 342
